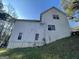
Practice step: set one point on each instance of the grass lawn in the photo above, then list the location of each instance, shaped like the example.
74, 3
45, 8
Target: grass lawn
66, 48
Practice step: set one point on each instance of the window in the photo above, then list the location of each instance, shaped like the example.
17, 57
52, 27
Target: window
55, 17
36, 36
19, 36
51, 27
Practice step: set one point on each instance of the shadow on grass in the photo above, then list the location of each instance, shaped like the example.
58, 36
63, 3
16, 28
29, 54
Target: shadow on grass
66, 48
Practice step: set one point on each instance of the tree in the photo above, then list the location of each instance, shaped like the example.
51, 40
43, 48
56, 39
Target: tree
10, 10
6, 23
70, 6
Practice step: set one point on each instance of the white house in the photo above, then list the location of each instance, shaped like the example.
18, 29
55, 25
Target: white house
53, 25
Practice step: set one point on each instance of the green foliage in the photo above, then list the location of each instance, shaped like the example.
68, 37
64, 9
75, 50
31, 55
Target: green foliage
70, 6
66, 48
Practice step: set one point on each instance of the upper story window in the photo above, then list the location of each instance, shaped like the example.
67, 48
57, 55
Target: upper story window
55, 16
20, 36
51, 27
36, 36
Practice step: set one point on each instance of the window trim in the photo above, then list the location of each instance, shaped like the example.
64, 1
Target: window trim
20, 36
36, 36
56, 17
51, 27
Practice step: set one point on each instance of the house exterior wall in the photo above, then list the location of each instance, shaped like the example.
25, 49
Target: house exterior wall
62, 28
29, 29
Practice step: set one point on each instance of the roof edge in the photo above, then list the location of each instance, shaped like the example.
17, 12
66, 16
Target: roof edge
29, 20
52, 8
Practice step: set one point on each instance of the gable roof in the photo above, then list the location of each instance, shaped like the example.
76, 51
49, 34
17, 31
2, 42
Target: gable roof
52, 8
49, 10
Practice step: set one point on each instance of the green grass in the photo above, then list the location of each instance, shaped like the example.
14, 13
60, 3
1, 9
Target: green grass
66, 48
76, 28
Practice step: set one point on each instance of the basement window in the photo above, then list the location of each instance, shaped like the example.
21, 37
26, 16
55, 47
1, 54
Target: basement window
36, 36
51, 27
20, 36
